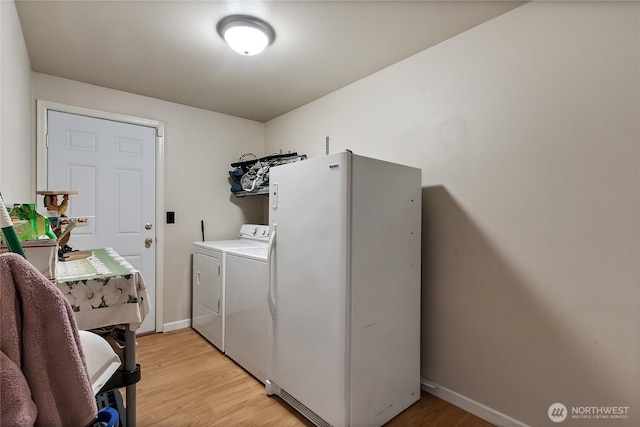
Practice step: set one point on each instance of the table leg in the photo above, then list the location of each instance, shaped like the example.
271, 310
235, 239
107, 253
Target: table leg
130, 365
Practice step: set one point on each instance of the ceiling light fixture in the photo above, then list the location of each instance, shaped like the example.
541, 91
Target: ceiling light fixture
245, 34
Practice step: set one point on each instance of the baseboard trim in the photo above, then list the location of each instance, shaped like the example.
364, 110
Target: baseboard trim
470, 405
174, 326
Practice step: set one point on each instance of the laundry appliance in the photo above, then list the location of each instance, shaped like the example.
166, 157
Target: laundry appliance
208, 305
246, 309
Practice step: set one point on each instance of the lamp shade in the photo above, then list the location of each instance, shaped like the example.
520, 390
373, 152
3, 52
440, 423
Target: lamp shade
245, 34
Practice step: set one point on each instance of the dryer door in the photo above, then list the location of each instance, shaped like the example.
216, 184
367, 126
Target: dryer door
206, 285
207, 298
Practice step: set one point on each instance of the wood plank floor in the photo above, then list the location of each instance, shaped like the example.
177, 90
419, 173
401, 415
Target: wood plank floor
188, 382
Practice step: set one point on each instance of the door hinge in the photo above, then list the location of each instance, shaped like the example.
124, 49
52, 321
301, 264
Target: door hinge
218, 306
46, 141
218, 270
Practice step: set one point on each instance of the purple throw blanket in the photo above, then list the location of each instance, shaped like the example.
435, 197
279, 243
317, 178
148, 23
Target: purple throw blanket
44, 375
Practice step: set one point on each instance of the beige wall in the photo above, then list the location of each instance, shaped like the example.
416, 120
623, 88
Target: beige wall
526, 129
527, 132
17, 157
199, 146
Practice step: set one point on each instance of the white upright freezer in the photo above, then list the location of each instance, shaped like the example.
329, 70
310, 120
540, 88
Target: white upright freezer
344, 291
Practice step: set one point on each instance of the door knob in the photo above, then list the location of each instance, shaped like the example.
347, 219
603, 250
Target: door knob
147, 242
148, 226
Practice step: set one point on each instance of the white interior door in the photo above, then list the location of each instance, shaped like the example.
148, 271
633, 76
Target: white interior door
112, 166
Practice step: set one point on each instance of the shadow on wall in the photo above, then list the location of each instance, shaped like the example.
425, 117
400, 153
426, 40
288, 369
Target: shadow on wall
253, 208
489, 335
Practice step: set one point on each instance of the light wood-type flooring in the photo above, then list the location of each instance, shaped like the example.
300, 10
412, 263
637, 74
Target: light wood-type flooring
187, 382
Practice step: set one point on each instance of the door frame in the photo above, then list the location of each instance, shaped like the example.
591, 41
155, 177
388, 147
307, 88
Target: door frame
42, 109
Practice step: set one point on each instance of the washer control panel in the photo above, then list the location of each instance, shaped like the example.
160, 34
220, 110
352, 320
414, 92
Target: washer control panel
254, 231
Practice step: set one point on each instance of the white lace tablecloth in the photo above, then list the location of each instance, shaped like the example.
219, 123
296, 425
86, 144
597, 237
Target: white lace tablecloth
104, 290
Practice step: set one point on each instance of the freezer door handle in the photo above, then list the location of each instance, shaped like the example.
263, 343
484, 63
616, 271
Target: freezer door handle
272, 244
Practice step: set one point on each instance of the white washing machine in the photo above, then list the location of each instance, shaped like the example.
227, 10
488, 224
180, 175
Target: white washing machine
208, 293
246, 309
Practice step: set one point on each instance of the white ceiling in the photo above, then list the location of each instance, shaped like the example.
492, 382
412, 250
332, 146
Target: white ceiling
170, 49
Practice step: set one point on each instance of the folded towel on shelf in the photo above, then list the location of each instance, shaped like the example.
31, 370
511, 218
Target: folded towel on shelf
39, 335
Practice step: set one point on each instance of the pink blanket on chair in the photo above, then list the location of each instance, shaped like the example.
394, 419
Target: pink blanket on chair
39, 335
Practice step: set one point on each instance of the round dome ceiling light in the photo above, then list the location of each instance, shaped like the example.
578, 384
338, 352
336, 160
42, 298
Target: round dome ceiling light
245, 34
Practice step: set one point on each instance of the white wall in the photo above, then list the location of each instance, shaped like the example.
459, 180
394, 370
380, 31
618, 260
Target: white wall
526, 129
16, 148
199, 146
527, 132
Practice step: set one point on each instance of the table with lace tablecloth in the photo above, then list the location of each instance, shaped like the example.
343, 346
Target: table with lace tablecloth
105, 290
